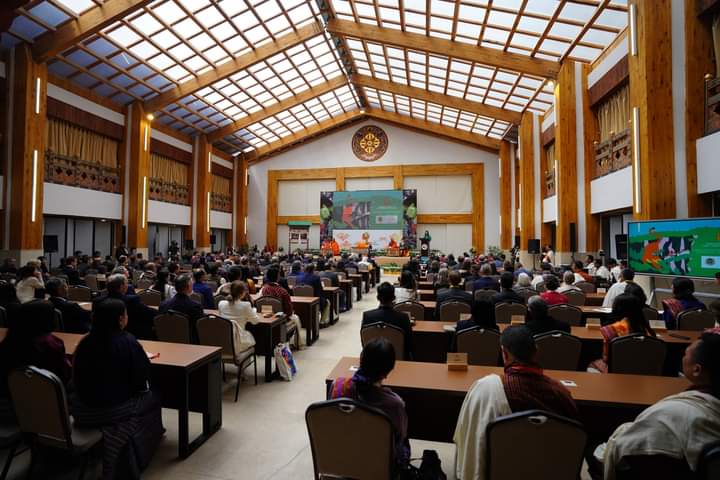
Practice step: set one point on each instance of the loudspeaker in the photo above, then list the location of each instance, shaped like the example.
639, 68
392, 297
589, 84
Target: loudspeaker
573, 238
517, 241
534, 246
621, 246
213, 239
189, 244
50, 243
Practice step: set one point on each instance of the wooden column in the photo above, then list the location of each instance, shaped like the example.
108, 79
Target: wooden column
651, 94
203, 187
526, 194
138, 177
241, 187
26, 165
340, 179
478, 202
591, 132
272, 209
506, 239
398, 179
566, 157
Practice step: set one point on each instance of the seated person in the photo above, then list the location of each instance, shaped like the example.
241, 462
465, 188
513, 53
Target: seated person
551, 295
680, 426
483, 316
377, 360
271, 288
580, 274
538, 278
523, 283
140, 316
453, 294
538, 320
486, 281
522, 387
239, 311
234, 273
626, 277
111, 373
628, 313
683, 299
568, 281
164, 285
29, 341
442, 280
385, 313
199, 286
75, 318
602, 271
407, 291
30, 280
507, 294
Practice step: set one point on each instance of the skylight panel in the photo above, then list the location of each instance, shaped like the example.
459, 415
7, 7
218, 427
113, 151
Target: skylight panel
146, 24
441, 24
161, 62
469, 30
364, 10
543, 7
576, 11
390, 15
416, 19
300, 14
613, 18
177, 73
77, 6
181, 51
495, 35
342, 6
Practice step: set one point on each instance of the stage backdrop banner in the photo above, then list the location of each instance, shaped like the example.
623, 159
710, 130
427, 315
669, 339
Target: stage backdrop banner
358, 219
675, 247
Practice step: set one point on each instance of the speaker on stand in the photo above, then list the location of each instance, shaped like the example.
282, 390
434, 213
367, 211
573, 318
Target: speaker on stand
50, 246
533, 248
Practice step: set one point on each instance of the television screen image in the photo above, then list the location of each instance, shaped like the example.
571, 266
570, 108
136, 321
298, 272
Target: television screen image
689, 247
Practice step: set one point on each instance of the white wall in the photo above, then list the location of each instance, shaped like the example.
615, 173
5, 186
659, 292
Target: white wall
378, 183
283, 232
550, 209
83, 103
449, 238
168, 213
708, 173
302, 197
405, 148
612, 191
442, 194
223, 219
80, 202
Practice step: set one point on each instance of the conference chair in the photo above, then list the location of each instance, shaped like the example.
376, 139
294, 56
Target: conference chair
393, 334
524, 432
277, 307
10, 440
42, 413
303, 291
636, 354
557, 350
173, 327
91, 281
485, 294
58, 322
469, 286
291, 280
695, 320
218, 298
710, 462
450, 311
525, 293
151, 298
567, 313
212, 284
654, 467
3, 317
326, 282
144, 284
540, 287
197, 297
351, 270
586, 287
79, 293
650, 313
341, 275
217, 331
575, 297
505, 311
345, 456
414, 309
481, 345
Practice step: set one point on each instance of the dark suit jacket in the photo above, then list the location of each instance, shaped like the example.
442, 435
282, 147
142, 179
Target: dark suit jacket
181, 303
140, 316
75, 318
335, 281
390, 316
452, 294
548, 325
314, 281
486, 283
508, 296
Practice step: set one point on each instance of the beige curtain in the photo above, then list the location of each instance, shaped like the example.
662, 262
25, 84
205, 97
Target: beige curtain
220, 185
168, 170
614, 113
550, 157
67, 139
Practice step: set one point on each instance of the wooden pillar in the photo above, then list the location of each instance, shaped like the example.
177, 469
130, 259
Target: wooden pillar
526, 193
398, 179
203, 187
26, 164
138, 178
241, 189
272, 210
651, 109
566, 158
478, 202
506, 239
340, 179
591, 132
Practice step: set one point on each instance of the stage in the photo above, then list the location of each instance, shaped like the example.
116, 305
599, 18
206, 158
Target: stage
400, 261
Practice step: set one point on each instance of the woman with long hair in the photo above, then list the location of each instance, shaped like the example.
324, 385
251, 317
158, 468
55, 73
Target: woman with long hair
163, 286
407, 291
683, 299
29, 281
239, 311
483, 316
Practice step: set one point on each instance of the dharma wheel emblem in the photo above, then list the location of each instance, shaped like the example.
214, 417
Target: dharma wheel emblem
369, 143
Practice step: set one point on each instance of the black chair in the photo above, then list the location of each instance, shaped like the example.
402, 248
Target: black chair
481, 345
636, 354
558, 350
710, 462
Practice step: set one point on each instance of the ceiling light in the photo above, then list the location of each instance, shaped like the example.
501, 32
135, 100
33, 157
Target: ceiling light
150, 117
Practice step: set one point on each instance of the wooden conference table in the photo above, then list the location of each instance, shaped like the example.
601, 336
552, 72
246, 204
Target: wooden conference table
308, 310
188, 378
433, 395
432, 341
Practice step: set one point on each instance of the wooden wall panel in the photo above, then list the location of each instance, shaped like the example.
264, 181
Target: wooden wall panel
340, 179
398, 179
548, 135
204, 185
285, 219
139, 177
478, 201
272, 206
170, 151
81, 118
591, 132
241, 208
506, 239
526, 193
616, 77
221, 170
441, 218
566, 156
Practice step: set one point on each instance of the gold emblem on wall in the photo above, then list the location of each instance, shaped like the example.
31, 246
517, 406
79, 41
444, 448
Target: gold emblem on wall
369, 143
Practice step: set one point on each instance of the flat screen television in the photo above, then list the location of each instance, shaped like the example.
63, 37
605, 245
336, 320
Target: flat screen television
682, 247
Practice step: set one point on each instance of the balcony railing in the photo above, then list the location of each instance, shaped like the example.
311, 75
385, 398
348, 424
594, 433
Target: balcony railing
549, 183
221, 202
170, 192
613, 154
712, 106
73, 172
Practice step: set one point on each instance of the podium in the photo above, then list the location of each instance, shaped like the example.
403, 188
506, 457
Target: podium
424, 248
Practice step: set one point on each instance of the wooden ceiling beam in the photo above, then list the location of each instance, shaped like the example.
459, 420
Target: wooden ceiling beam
78, 29
431, 128
300, 98
477, 108
414, 41
233, 66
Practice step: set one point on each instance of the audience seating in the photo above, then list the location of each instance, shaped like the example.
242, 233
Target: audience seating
291, 281
653, 467
540, 287
505, 311
197, 297
218, 332
303, 291
326, 282
450, 311
695, 320
414, 309
484, 294
151, 298
636, 354
341, 275
710, 463
58, 323
79, 293
481, 345
144, 284
650, 313
575, 298
42, 412
567, 313
392, 333
91, 281
365, 454
173, 327
526, 293
586, 287
469, 286
558, 350
526, 432
351, 270
10, 440
275, 303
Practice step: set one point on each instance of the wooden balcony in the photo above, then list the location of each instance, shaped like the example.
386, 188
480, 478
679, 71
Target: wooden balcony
613, 154
221, 202
73, 172
549, 183
712, 106
170, 192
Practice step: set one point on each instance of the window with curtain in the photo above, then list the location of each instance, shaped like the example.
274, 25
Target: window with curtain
66, 139
613, 113
221, 197
549, 157
220, 185
168, 170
